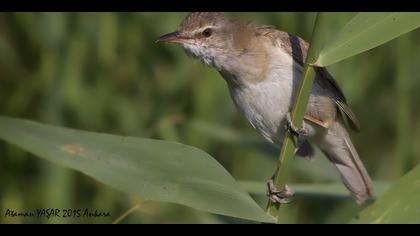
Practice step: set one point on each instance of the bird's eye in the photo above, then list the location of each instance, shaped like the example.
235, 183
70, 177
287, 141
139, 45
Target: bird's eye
207, 32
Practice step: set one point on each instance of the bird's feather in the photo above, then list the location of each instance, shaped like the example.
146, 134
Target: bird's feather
298, 49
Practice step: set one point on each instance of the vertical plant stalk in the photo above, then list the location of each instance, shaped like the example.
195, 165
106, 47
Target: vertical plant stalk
403, 114
57, 180
298, 109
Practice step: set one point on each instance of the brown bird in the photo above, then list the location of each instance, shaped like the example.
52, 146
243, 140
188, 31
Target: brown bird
262, 67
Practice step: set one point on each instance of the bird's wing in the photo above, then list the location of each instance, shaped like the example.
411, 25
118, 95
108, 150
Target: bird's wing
298, 49
325, 79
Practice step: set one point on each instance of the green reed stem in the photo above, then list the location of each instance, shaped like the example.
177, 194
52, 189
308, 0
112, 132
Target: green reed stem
298, 110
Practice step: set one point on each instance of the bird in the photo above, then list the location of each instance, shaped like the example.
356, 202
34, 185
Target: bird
262, 67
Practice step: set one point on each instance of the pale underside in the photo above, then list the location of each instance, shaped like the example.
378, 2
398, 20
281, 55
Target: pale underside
265, 103
262, 85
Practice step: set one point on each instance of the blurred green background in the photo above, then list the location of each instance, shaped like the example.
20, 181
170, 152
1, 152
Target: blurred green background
103, 72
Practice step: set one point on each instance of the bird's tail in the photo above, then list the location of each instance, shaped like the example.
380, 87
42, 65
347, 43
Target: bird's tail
339, 149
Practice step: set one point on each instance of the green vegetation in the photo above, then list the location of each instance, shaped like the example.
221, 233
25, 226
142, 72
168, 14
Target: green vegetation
153, 169
102, 73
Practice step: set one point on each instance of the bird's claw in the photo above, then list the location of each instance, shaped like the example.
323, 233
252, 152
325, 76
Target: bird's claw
290, 127
283, 196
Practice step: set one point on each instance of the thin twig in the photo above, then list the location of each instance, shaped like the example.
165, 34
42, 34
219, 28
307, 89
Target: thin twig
125, 214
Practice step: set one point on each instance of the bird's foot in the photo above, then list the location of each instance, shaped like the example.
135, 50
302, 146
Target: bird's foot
282, 196
300, 132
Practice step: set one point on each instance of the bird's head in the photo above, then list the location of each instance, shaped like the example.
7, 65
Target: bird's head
208, 36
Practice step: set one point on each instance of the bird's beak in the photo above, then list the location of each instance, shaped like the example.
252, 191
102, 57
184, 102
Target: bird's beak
173, 37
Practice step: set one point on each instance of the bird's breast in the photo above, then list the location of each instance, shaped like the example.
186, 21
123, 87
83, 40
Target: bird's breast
266, 102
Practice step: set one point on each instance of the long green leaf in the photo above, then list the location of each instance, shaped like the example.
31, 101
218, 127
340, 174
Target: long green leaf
400, 204
366, 31
153, 169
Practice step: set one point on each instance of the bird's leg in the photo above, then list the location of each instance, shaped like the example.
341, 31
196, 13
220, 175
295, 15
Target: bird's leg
302, 132
282, 196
